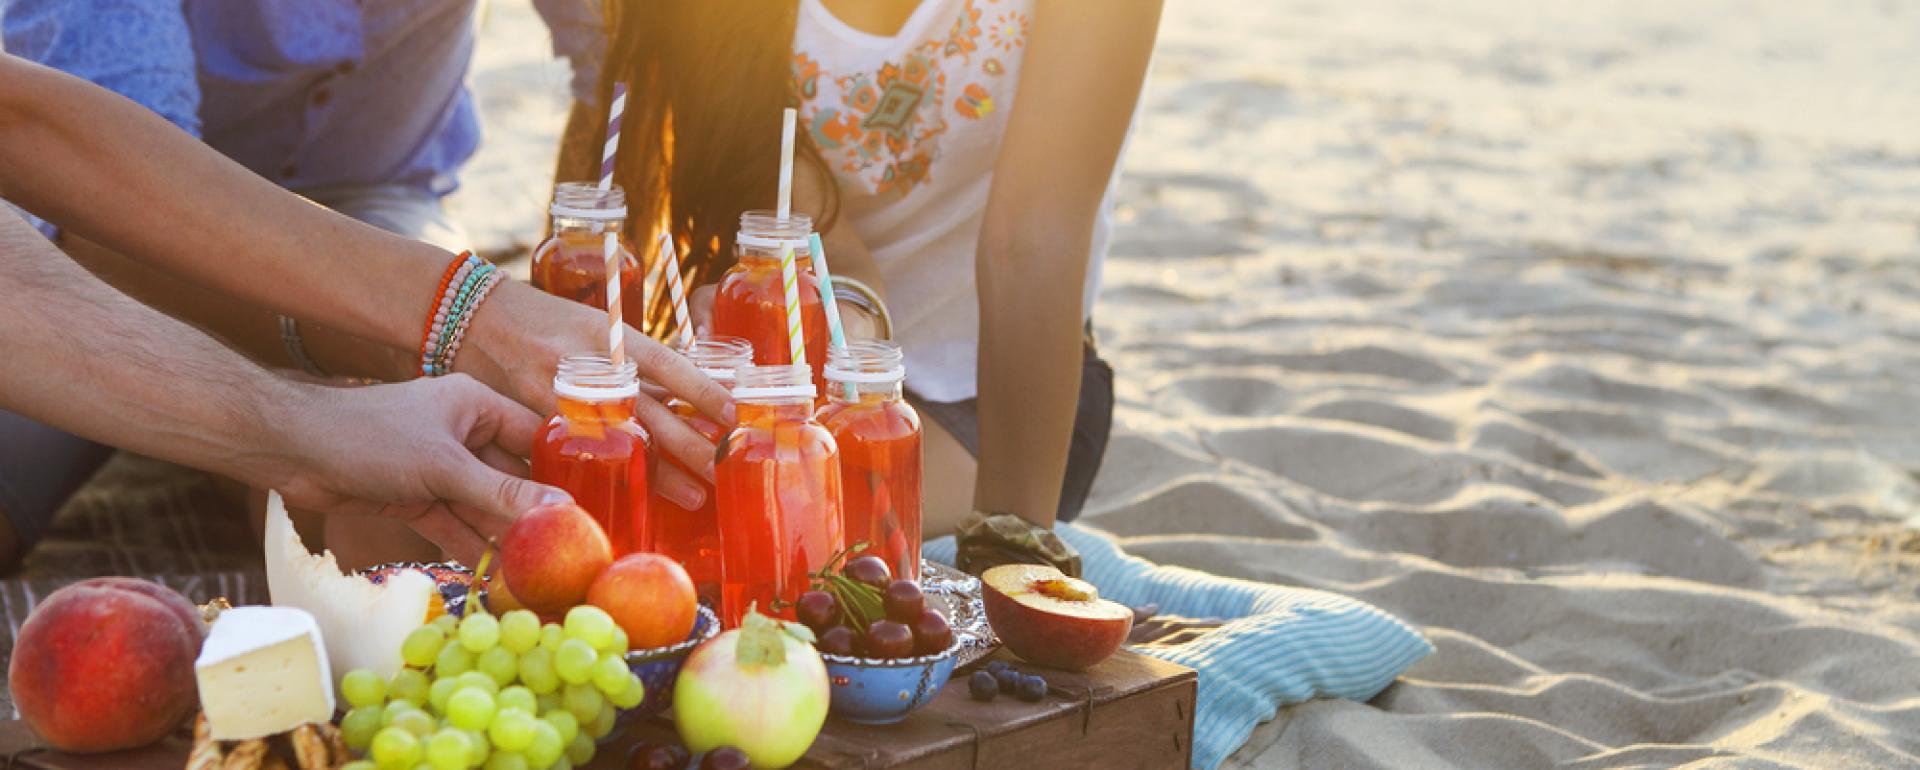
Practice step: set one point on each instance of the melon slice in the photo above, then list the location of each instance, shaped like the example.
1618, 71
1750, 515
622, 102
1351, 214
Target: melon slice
361, 623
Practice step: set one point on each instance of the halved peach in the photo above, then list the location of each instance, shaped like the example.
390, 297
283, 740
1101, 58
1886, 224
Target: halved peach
1045, 617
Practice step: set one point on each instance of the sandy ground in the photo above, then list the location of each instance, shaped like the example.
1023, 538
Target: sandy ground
1583, 336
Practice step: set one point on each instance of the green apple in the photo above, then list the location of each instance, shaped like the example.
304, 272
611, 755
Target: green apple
760, 688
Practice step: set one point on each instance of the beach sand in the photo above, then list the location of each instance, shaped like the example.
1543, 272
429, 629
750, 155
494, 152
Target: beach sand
1583, 337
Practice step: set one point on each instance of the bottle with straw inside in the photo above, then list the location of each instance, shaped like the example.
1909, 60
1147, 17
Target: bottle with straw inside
593, 447
588, 242
773, 274
778, 480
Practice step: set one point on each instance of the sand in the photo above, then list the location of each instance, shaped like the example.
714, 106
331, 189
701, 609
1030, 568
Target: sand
1582, 336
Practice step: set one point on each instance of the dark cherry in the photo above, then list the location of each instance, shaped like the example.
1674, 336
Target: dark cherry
871, 570
887, 639
657, 757
903, 601
931, 634
818, 610
838, 640
725, 758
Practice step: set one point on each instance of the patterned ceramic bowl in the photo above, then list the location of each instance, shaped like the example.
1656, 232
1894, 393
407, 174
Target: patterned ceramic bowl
450, 577
659, 667
880, 691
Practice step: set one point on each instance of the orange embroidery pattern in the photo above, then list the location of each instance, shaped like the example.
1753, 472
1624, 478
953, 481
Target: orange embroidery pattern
884, 126
1008, 31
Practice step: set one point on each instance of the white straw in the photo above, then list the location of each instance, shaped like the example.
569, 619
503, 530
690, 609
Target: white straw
787, 118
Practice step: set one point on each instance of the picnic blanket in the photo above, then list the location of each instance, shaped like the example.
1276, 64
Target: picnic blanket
1274, 645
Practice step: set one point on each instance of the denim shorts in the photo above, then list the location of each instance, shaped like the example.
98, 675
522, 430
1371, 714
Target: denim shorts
1092, 423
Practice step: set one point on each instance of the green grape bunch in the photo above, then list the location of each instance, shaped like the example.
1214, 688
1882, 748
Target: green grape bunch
505, 693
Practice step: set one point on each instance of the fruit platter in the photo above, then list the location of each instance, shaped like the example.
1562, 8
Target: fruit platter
551, 653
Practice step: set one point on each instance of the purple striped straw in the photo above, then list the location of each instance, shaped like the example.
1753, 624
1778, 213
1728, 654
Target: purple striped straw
616, 328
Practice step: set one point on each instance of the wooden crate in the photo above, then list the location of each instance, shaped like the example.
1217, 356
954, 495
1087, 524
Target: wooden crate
1130, 711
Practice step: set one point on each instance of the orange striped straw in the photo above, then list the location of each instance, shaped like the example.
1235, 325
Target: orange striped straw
677, 291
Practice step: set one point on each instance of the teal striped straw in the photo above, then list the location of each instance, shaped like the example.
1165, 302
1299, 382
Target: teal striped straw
835, 332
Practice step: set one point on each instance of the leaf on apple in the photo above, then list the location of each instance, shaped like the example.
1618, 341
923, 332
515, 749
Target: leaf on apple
760, 643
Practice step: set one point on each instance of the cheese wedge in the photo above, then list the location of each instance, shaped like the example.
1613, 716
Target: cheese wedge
263, 671
362, 623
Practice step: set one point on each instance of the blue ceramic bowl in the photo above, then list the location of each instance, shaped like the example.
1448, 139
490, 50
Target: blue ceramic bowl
659, 667
878, 691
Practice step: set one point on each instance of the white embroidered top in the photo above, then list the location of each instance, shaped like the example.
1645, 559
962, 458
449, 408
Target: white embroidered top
910, 125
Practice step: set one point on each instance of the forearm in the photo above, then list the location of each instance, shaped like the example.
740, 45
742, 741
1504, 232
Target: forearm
1078, 86
245, 325
1030, 358
105, 168
89, 360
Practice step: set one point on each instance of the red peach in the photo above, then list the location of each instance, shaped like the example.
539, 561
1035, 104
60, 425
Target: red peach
551, 555
106, 664
650, 596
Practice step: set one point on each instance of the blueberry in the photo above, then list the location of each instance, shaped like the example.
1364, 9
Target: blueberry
997, 666
1032, 688
1009, 680
982, 686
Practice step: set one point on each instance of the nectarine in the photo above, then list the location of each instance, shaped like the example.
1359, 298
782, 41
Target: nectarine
106, 664
1048, 618
650, 596
551, 555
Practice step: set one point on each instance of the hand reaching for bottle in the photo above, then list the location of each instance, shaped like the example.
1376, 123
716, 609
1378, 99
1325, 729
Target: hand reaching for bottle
442, 455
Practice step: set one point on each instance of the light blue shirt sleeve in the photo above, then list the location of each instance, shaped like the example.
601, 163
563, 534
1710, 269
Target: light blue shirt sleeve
579, 36
140, 49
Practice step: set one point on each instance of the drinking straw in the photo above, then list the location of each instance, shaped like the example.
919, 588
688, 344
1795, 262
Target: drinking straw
616, 347
796, 336
676, 291
835, 332
785, 206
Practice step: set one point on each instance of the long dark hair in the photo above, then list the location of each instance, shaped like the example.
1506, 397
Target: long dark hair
699, 144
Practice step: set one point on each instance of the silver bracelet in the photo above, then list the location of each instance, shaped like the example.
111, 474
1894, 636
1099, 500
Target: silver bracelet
854, 292
296, 348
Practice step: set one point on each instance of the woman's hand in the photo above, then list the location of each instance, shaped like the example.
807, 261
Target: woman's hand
442, 455
519, 336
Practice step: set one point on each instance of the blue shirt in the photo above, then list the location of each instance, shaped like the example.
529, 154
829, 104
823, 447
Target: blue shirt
307, 93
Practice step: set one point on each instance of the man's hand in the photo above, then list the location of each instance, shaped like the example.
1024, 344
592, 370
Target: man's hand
440, 454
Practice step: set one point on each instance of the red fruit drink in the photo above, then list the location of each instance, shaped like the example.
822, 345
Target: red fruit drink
751, 302
572, 262
778, 483
880, 458
593, 448
693, 537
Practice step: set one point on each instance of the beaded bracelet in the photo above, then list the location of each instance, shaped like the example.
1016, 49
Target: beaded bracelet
436, 310
453, 302
464, 300
492, 279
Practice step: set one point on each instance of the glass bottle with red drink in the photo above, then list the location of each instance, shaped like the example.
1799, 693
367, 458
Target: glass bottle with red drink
693, 537
778, 484
595, 450
751, 302
878, 434
572, 262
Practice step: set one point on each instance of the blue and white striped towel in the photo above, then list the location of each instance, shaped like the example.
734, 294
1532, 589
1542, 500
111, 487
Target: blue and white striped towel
1280, 645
